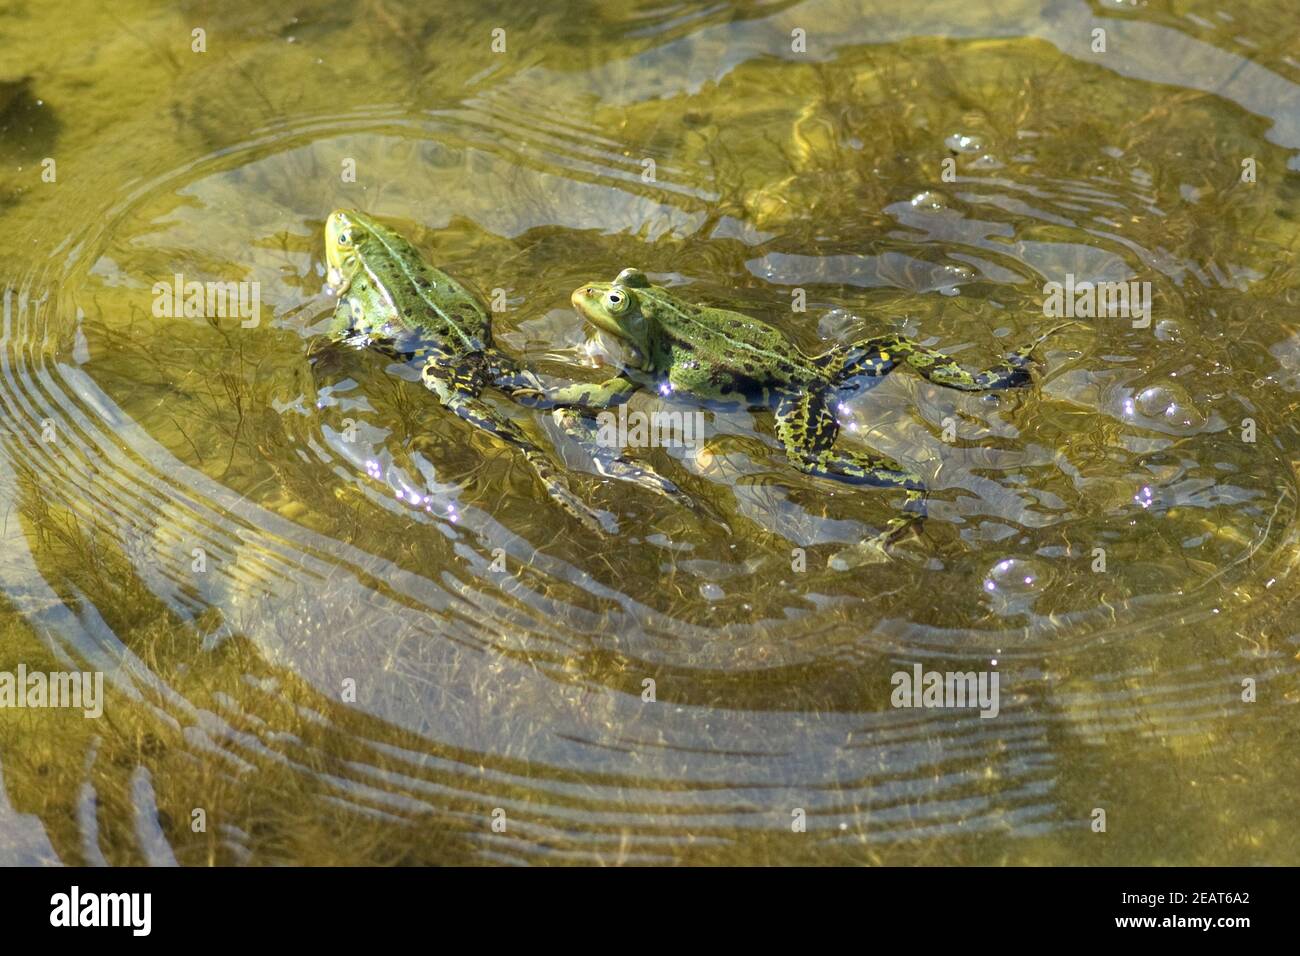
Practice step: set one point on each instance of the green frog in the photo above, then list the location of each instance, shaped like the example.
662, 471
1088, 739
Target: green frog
722, 357
390, 299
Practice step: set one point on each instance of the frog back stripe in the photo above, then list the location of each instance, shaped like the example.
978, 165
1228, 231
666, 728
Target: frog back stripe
757, 357
411, 269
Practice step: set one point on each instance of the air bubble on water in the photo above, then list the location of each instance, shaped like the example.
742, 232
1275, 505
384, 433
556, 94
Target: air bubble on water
929, 199
711, 592
1153, 401
1013, 585
964, 143
1167, 330
1168, 404
1017, 576
839, 323
955, 275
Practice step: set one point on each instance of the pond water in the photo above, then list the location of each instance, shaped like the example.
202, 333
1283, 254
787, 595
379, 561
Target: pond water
337, 626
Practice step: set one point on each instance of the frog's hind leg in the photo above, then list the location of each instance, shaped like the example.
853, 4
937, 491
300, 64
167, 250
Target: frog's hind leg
458, 385
806, 427
880, 355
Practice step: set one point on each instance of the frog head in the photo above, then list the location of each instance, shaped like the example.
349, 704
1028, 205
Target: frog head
344, 230
617, 308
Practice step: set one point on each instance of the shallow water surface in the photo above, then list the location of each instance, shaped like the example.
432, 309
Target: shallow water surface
348, 630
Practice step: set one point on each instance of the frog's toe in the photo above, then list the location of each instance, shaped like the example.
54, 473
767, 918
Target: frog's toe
1018, 372
879, 548
526, 394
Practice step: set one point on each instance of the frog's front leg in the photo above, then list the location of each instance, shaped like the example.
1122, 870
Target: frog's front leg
458, 387
806, 427
343, 319
882, 354
322, 351
523, 386
348, 325
593, 396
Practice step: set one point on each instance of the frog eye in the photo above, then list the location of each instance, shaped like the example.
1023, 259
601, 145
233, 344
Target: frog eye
616, 301
345, 238
633, 278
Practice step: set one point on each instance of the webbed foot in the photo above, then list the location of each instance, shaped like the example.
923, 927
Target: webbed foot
877, 549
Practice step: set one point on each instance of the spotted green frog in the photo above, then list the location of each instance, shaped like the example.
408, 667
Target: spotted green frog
389, 298
719, 356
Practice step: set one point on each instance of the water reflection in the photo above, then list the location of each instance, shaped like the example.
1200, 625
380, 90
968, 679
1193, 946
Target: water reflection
353, 633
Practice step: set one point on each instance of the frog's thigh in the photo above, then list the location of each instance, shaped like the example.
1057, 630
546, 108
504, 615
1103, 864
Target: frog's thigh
806, 426
593, 396
880, 354
873, 357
